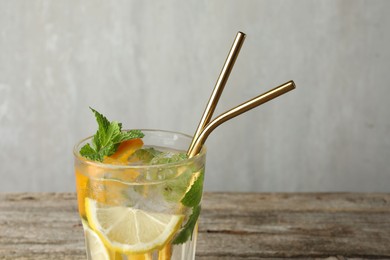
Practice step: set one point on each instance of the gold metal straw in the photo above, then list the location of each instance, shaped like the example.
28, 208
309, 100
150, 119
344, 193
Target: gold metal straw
219, 85
265, 97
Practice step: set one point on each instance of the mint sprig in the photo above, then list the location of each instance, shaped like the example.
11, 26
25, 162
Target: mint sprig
191, 199
107, 138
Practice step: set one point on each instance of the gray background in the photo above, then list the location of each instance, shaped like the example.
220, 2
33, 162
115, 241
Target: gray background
154, 64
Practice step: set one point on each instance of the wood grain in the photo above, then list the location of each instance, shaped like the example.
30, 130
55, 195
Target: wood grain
232, 226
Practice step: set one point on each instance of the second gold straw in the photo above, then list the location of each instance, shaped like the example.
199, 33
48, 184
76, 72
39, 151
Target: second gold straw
261, 99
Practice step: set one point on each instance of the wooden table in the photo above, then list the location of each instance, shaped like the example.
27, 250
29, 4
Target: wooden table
232, 226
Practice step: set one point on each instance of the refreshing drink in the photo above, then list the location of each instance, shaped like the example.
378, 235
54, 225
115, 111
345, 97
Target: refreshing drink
141, 201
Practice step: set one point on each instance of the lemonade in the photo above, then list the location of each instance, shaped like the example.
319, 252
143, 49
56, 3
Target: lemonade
143, 200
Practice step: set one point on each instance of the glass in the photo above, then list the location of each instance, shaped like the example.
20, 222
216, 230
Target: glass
136, 211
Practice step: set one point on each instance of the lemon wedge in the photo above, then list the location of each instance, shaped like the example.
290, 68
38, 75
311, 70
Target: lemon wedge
95, 246
129, 230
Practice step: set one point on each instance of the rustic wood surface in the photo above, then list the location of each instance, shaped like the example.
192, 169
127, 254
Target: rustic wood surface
232, 226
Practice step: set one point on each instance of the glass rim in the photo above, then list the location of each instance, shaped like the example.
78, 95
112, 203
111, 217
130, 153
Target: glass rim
77, 155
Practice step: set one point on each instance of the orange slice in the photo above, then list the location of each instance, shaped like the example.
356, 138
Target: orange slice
124, 151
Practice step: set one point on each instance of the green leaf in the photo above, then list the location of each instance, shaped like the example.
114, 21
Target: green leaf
88, 152
124, 136
193, 197
144, 155
103, 124
174, 190
112, 134
107, 138
163, 159
188, 228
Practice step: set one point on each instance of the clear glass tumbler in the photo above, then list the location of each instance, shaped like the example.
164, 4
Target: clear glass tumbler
141, 211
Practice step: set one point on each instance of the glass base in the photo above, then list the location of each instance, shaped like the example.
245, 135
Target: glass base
184, 251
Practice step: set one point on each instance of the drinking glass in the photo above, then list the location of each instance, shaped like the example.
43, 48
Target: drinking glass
139, 210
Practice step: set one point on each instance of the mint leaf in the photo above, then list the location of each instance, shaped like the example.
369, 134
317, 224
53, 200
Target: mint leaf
88, 152
162, 158
188, 228
191, 199
173, 190
194, 195
107, 138
132, 134
144, 155
103, 124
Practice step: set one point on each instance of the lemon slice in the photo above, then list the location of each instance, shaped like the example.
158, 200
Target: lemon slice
95, 246
129, 230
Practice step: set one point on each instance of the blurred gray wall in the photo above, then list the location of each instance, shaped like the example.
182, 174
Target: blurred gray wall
154, 64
